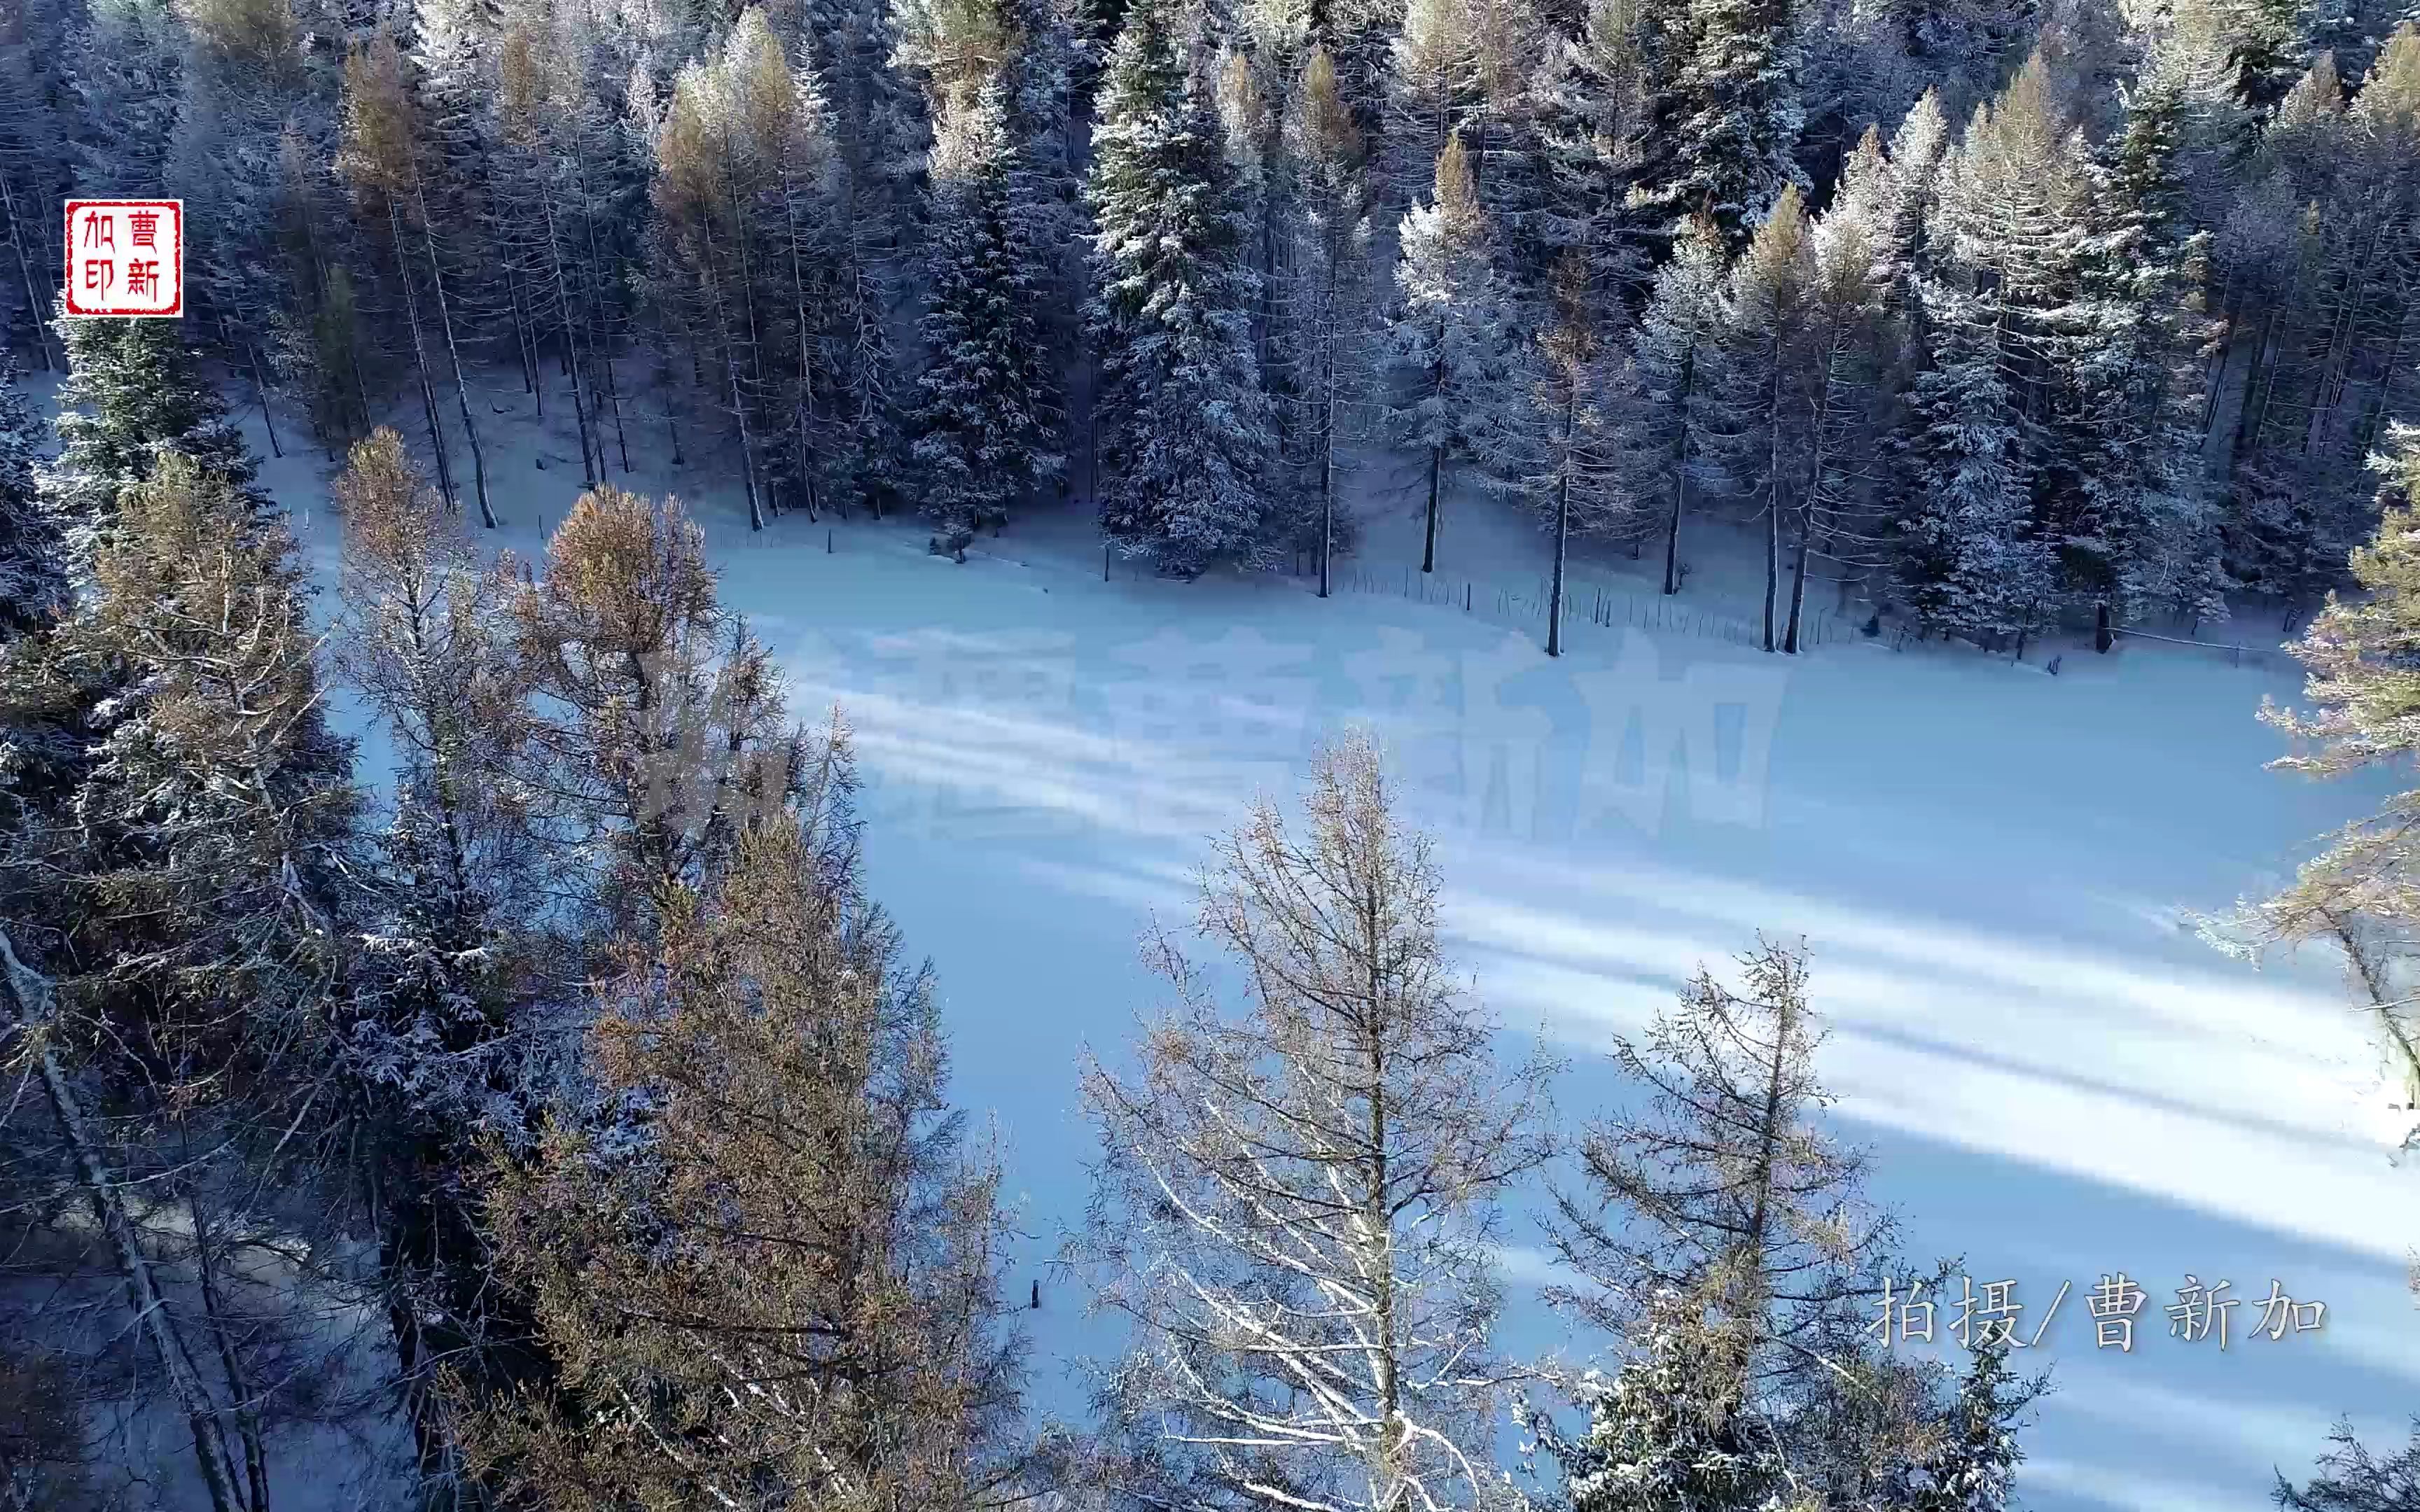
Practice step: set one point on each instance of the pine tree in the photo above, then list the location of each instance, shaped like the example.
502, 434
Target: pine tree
32, 579
989, 412
783, 1287
1184, 428
1673, 353
1308, 1189
1456, 389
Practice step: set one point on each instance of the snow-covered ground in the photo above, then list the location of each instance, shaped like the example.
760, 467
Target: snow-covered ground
1994, 868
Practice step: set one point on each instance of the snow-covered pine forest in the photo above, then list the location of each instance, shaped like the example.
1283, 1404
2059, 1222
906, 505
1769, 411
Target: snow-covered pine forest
460, 1051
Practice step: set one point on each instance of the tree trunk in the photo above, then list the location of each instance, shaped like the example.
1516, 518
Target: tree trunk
803, 416
261, 396
1798, 587
1563, 536
454, 356
420, 362
25, 272
238, 1384
1427, 549
29, 994
571, 346
1672, 526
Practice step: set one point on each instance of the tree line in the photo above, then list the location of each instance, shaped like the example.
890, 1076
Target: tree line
2003, 313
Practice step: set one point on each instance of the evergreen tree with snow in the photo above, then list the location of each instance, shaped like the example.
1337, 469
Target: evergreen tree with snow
1733, 116
1763, 393
1975, 1465
133, 393
1668, 1432
988, 409
1968, 561
32, 586
1675, 356
1592, 110
1183, 428
1456, 387
1327, 312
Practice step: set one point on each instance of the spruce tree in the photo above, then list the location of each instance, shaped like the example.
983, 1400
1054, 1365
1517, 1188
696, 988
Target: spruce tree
1183, 428
1456, 387
133, 393
1669, 1430
1734, 115
1969, 562
987, 414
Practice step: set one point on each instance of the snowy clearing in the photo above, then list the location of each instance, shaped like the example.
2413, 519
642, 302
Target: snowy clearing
1995, 870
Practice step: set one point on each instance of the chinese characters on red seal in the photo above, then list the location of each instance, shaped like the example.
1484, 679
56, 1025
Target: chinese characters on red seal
126, 257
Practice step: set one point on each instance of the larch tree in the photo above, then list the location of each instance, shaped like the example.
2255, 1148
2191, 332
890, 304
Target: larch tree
385, 142
175, 891
1853, 353
663, 729
1456, 389
1765, 373
2360, 893
1720, 1186
1184, 431
783, 1288
1298, 1200
452, 953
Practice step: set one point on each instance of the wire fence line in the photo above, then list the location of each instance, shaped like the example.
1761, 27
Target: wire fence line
1587, 602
